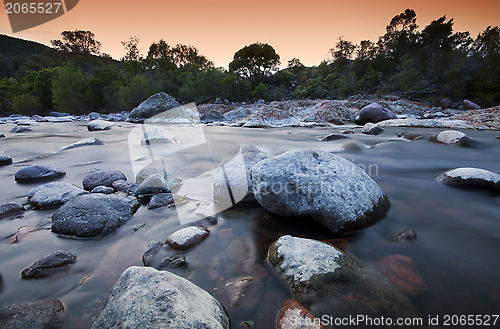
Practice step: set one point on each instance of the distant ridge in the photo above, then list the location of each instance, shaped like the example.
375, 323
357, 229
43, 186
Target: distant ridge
13, 47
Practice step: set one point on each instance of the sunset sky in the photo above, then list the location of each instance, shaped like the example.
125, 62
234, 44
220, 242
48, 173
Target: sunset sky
304, 29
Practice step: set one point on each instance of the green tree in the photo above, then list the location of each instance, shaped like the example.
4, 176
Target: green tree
255, 62
81, 42
68, 90
132, 52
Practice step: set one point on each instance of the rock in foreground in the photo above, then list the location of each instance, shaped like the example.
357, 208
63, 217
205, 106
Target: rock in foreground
330, 282
147, 298
293, 313
336, 192
471, 178
38, 173
10, 208
93, 214
52, 195
44, 315
56, 262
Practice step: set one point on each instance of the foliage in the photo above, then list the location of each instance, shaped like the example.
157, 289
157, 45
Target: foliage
81, 42
255, 62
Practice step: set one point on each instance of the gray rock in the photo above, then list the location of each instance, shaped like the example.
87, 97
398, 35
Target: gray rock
52, 195
160, 200
152, 185
406, 235
468, 105
38, 118
237, 114
172, 262
232, 182
147, 298
333, 283
374, 113
123, 185
157, 135
187, 238
240, 295
154, 105
38, 173
372, 129
93, 214
212, 116
471, 178
85, 142
102, 178
58, 261
152, 249
5, 159
20, 129
94, 115
44, 315
173, 182
2, 136
333, 137
103, 189
336, 192
10, 208
445, 103
96, 125
218, 101
453, 137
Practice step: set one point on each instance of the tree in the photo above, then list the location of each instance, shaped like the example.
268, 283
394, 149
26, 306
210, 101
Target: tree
255, 62
343, 50
78, 41
132, 52
184, 56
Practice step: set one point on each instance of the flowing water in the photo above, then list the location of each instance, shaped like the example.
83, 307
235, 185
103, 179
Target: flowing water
458, 230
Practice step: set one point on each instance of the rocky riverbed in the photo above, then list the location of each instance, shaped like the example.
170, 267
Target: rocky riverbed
265, 216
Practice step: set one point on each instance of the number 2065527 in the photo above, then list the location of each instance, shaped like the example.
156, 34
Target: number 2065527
33, 8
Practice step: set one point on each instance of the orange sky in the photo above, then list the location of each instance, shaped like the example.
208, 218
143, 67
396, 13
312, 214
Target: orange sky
304, 29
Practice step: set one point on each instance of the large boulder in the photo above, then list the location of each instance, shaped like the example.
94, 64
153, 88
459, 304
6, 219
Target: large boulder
152, 106
147, 298
52, 195
211, 117
468, 105
453, 137
336, 192
44, 315
93, 214
232, 182
102, 178
374, 113
471, 178
38, 173
96, 125
332, 283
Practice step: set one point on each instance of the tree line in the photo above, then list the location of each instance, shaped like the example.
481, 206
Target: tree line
421, 64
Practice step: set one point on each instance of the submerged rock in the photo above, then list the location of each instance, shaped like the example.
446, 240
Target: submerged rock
334, 283
240, 295
5, 159
154, 105
147, 298
471, 178
400, 270
336, 192
93, 214
152, 249
334, 137
57, 261
45, 315
96, 125
372, 129
38, 173
157, 135
453, 137
102, 178
22, 232
52, 195
406, 235
187, 238
84, 142
173, 182
10, 209
374, 113
294, 315
232, 182
20, 129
